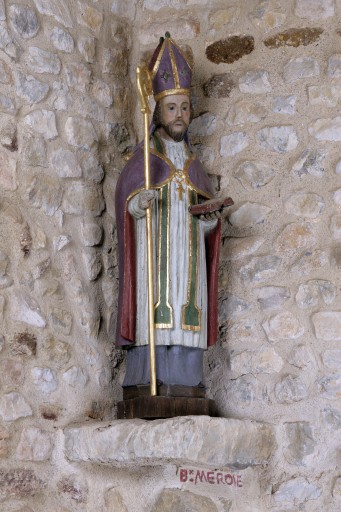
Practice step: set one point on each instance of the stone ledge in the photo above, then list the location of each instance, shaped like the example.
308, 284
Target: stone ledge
203, 440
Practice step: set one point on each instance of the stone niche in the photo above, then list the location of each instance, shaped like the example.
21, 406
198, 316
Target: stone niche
208, 462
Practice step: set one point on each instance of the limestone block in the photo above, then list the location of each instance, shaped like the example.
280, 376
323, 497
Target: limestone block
61, 320
315, 291
330, 386
267, 15
90, 17
324, 95
64, 163
300, 442
58, 9
254, 174
42, 122
87, 48
75, 487
269, 297
263, 360
44, 193
8, 167
19, 483
63, 99
326, 129
232, 305
337, 193
78, 76
215, 442
255, 82
231, 49
34, 152
59, 352
327, 325
42, 61
219, 19
114, 501
244, 112
61, 241
80, 132
2, 10
260, 268
300, 67
310, 261
4, 436
279, 139
248, 214
14, 406
332, 417
302, 357
295, 491
76, 377
7, 105
29, 88
91, 232
241, 331
305, 204
24, 21
175, 500
203, 125
233, 144
102, 92
45, 379
80, 198
8, 44
294, 37
315, 9
246, 390
332, 358
290, 389
283, 326
62, 40
35, 444
27, 310
284, 104
236, 248
12, 373
109, 291
334, 66
2, 339
183, 27
219, 86
294, 237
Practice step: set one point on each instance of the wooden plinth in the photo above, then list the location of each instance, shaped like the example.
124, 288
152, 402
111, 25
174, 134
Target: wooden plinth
157, 407
165, 390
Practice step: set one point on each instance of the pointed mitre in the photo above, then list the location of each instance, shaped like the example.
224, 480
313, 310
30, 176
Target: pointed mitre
170, 70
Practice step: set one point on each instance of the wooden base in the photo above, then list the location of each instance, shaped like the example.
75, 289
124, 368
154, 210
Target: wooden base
157, 407
165, 390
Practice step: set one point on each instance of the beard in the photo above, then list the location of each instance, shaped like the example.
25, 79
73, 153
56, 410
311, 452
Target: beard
176, 134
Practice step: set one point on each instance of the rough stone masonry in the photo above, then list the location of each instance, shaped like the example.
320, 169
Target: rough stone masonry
266, 96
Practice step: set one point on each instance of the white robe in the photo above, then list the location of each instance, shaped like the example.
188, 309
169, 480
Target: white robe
179, 263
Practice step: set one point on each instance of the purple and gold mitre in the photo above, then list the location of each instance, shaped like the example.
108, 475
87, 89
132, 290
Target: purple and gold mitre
170, 71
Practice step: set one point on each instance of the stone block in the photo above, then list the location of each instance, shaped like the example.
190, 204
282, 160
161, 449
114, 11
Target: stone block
193, 440
260, 268
58, 9
227, 16
295, 491
270, 297
300, 442
236, 248
14, 406
279, 139
326, 129
114, 501
305, 204
315, 9
290, 389
24, 21
248, 214
62, 40
299, 68
42, 122
267, 15
219, 86
35, 444
175, 500
284, 105
203, 125
283, 326
233, 144
231, 49
45, 379
294, 237
327, 325
19, 483
294, 37
255, 82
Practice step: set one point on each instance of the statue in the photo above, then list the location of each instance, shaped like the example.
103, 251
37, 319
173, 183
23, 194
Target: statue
184, 245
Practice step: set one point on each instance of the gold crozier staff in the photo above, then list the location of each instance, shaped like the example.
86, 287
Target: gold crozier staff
144, 86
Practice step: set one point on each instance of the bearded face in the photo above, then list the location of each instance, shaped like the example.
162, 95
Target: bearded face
172, 116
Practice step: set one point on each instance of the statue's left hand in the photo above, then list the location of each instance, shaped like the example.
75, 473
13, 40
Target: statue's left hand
211, 216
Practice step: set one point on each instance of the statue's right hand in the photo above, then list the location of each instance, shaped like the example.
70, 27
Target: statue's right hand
146, 197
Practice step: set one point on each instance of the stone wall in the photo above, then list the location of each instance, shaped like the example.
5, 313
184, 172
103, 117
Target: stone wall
267, 83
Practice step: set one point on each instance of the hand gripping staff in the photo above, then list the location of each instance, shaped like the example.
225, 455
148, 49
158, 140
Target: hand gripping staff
144, 87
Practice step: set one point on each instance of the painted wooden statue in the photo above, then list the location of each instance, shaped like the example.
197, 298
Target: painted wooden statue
185, 247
